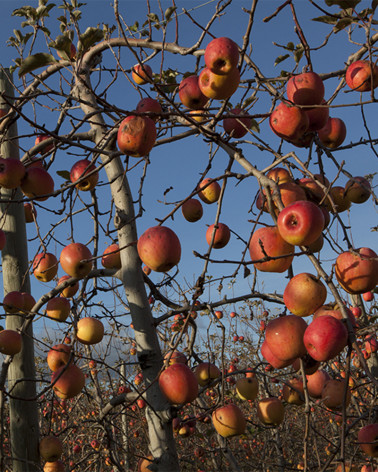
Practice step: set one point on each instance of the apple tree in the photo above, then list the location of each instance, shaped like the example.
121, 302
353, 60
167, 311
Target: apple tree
170, 173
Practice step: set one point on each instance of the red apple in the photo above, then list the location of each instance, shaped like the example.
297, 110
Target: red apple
58, 356
10, 342
206, 372
333, 394
37, 184
45, 266
221, 237
333, 134
79, 171
325, 337
357, 270
76, 260
179, 384
30, 212
159, 248
340, 201
304, 294
150, 105
89, 331
13, 302
267, 241
209, 192
358, 190
334, 310
141, 74
190, 93
136, 135
192, 210
70, 290
221, 55
280, 175
284, 336
58, 308
237, 127
300, 223
111, 258
362, 76
247, 388
305, 89
12, 171
289, 122
272, 359
368, 439
50, 448
368, 296
316, 382
70, 381
218, 87
271, 411
48, 147
175, 357
317, 116
229, 420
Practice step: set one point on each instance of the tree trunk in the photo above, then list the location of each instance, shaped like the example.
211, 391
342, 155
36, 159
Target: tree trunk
24, 428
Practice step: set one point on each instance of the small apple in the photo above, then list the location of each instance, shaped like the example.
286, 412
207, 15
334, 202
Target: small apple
48, 147
58, 356
111, 258
69, 381
10, 342
190, 93
136, 135
221, 234
192, 210
317, 116
45, 266
357, 270
239, 126
358, 190
206, 372
71, 290
13, 302
149, 105
271, 411
50, 448
316, 382
12, 171
289, 122
219, 87
76, 260
141, 74
89, 330
368, 296
368, 439
37, 184
333, 394
305, 89
179, 384
229, 420
247, 388
79, 172
362, 76
340, 201
209, 191
304, 294
58, 308
221, 55
333, 134
159, 248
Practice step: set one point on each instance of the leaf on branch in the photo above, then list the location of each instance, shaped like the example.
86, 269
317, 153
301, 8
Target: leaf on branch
343, 3
62, 44
341, 24
65, 174
330, 20
374, 4
247, 272
281, 58
298, 53
35, 61
90, 37
43, 11
169, 12
27, 12
254, 126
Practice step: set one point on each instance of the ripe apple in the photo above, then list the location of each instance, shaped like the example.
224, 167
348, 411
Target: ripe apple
272, 359
229, 420
247, 388
333, 134
141, 74
179, 384
333, 394
358, 190
192, 210
149, 105
218, 87
288, 122
190, 93
237, 127
300, 223
289, 192
42, 137
89, 331
271, 411
221, 55
45, 266
209, 192
206, 372
175, 357
333, 309
221, 237
37, 184
304, 294
12, 171
10, 342
58, 356
305, 89
317, 245
313, 190
30, 212
310, 365
362, 76
58, 308
76, 260
79, 170
284, 336
50, 448
70, 381
293, 392
111, 258
340, 202
316, 382
13, 302
267, 241
56, 466
136, 135
368, 439
159, 248
357, 270
325, 337
280, 175
71, 290
317, 116
368, 296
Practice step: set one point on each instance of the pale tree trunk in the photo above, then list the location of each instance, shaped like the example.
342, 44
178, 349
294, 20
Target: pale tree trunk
158, 412
24, 428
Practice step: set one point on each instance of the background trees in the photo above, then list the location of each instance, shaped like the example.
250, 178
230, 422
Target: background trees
75, 84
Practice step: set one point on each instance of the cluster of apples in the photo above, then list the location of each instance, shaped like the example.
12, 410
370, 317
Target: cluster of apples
51, 450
